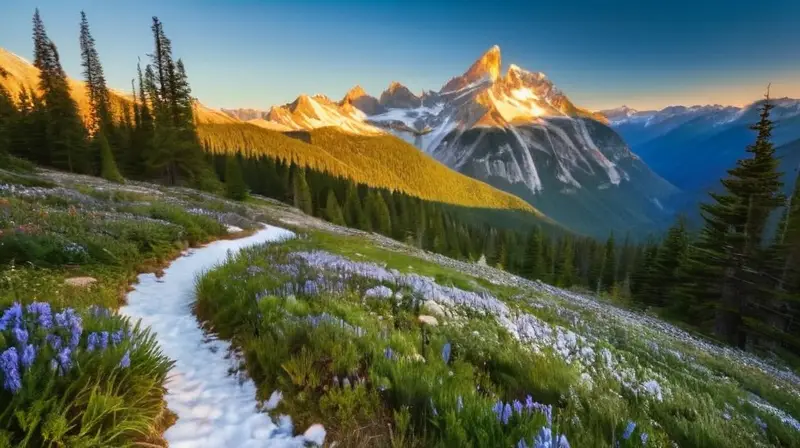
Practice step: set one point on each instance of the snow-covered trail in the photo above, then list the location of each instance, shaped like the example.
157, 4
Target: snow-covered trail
214, 408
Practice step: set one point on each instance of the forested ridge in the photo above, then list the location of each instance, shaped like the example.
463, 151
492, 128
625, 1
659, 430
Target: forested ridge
736, 279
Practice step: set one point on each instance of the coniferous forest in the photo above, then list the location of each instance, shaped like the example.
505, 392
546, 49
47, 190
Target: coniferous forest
736, 278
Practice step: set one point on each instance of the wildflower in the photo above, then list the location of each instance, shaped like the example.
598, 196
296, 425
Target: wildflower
446, 353
20, 335
92, 341
506, 413
11, 316
459, 404
498, 410
644, 438
562, 442
64, 360
517, 406
103, 340
761, 423
388, 353
28, 356
43, 313
125, 362
629, 430
116, 337
544, 439
9, 364
346, 383
522, 444
54, 341
529, 403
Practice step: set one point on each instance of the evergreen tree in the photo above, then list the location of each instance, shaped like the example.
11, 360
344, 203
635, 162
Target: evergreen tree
534, 265
333, 212
235, 187
65, 135
669, 259
9, 120
100, 117
609, 267
378, 213
353, 212
725, 265
108, 165
302, 193
565, 271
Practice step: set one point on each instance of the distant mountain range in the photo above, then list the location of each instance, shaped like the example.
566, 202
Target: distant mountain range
692, 147
516, 131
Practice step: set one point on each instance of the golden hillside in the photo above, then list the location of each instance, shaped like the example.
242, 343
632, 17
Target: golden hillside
379, 161
22, 74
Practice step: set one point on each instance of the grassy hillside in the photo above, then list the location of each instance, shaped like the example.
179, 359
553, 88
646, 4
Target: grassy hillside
378, 161
21, 74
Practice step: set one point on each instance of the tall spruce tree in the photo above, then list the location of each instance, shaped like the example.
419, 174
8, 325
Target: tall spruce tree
724, 267
565, 270
333, 212
670, 257
302, 193
9, 121
609, 267
534, 264
235, 187
65, 135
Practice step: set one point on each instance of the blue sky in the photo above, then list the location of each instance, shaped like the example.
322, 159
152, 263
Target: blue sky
600, 53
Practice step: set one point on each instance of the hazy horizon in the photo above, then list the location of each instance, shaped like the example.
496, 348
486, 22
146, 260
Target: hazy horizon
247, 54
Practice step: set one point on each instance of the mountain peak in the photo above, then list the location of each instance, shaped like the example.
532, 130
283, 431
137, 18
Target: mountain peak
355, 93
487, 65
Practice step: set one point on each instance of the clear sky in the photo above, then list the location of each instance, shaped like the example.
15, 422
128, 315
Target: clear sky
601, 53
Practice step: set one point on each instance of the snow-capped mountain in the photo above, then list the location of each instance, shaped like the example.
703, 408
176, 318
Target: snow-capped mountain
514, 130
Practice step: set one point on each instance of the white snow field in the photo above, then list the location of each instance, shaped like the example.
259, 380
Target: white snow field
214, 408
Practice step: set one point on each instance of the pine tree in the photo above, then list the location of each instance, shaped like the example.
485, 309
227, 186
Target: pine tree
302, 193
534, 266
669, 259
728, 255
565, 271
108, 166
378, 213
235, 187
9, 120
95, 81
66, 143
609, 267
353, 214
333, 212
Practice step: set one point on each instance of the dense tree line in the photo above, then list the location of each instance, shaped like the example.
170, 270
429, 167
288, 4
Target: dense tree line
156, 140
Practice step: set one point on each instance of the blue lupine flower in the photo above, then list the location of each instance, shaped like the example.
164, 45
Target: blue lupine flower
11, 317
54, 341
459, 404
116, 337
9, 364
20, 335
498, 410
529, 403
388, 353
64, 359
522, 444
517, 406
544, 439
446, 353
629, 430
562, 442
761, 423
92, 341
506, 413
644, 438
125, 362
103, 340
28, 356
43, 313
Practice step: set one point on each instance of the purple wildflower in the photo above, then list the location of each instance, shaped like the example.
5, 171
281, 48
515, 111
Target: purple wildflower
43, 313
761, 423
103, 340
629, 430
446, 353
517, 406
54, 341
20, 335
544, 439
459, 404
11, 316
125, 362
644, 438
116, 337
498, 410
9, 364
506, 413
529, 403
28, 356
562, 442
92, 342
64, 359
522, 444
388, 353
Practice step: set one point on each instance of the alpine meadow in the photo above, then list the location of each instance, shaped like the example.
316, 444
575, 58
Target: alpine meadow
490, 262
